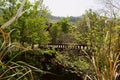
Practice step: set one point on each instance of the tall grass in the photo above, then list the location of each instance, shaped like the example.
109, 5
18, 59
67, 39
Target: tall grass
106, 60
10, 70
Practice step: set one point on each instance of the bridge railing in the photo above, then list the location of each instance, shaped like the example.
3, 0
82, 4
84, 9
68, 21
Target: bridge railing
66, 46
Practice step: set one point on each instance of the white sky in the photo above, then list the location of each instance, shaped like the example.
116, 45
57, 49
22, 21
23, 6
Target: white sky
70, 7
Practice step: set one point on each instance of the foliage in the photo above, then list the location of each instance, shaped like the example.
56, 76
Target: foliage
60, 30
103, 38
55, 32
65, 25
10, 69
101, 33
69, 60
12, 65
30, 28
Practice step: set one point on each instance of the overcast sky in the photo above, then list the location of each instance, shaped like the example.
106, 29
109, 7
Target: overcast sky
70, 7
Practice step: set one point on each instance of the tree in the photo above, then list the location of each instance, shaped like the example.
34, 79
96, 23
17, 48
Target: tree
60, 31
30, 27
102, 35
91, 28
111, 8
35, 25
65, 25
55, 32
7, 6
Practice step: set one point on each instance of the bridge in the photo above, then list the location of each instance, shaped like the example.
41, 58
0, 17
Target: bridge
65, 46
80, 49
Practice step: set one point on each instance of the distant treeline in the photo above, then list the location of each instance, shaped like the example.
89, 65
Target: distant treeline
72, 18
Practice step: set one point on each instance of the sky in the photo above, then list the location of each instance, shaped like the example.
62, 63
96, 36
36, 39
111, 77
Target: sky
70, 7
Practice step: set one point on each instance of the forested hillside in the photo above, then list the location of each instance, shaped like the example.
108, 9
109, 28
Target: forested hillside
34, 45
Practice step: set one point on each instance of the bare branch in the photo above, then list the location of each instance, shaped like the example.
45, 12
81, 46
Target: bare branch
114, 5
18, 14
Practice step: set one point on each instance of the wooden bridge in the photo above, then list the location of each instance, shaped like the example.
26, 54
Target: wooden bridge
66, 46
78, 48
